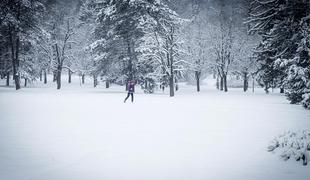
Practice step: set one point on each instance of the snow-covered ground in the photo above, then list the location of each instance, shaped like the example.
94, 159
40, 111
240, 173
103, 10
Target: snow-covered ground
85, 133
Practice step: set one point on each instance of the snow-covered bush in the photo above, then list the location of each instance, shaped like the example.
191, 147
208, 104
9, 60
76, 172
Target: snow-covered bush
306, 100
292, 145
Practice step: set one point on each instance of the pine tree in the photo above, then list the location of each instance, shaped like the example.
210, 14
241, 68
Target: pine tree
267, 20
5, 61
118, 33
283, 51
298, 68
125, 31
18, 20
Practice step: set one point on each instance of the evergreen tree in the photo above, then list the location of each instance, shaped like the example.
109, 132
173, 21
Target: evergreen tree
118, 32
18, 21
283, 52
125, 34
298, 68
5, 60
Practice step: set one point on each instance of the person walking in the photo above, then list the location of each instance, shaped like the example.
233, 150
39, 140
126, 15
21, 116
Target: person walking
131, 90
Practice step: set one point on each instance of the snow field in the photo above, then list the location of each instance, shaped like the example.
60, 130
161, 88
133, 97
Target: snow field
86, 133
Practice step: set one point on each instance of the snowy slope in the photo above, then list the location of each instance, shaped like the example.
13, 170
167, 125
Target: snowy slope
83, 133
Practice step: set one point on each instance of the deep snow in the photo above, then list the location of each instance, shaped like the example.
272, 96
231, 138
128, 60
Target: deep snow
81, 133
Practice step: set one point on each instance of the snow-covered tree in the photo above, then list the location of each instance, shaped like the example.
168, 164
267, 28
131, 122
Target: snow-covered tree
167, 55
60, 26
18, 21
118, 33
297, 81
224, 45
245, 64
125, 31
5, 60
283, 52
197, 44
61, 46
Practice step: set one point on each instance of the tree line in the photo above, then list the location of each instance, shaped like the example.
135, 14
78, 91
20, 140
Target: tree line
159, 43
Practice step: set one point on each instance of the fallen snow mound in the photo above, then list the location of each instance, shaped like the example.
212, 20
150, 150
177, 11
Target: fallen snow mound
292, 145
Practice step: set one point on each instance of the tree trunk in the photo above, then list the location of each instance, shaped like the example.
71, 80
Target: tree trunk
16, 79
54, 76
8, 78
176, 85
107, 84
171, 86
95, 81
281, 90
304, 158
225, 82
266, 87
40, 75
15, 61
83, 78
221, 83
59, 67
69, 76
45, 76
25, 82
58, 78
217, 83
197, 75
145, 84
245, 81
15, 43
170, 57
163, 88
253, 83
198, 85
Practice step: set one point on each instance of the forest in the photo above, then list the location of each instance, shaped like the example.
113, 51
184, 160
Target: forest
159, 43
154, 89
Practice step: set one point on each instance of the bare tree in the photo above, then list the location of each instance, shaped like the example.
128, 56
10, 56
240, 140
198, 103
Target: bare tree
60, 50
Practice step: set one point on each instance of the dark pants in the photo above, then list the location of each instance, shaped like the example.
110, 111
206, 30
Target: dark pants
129, 93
